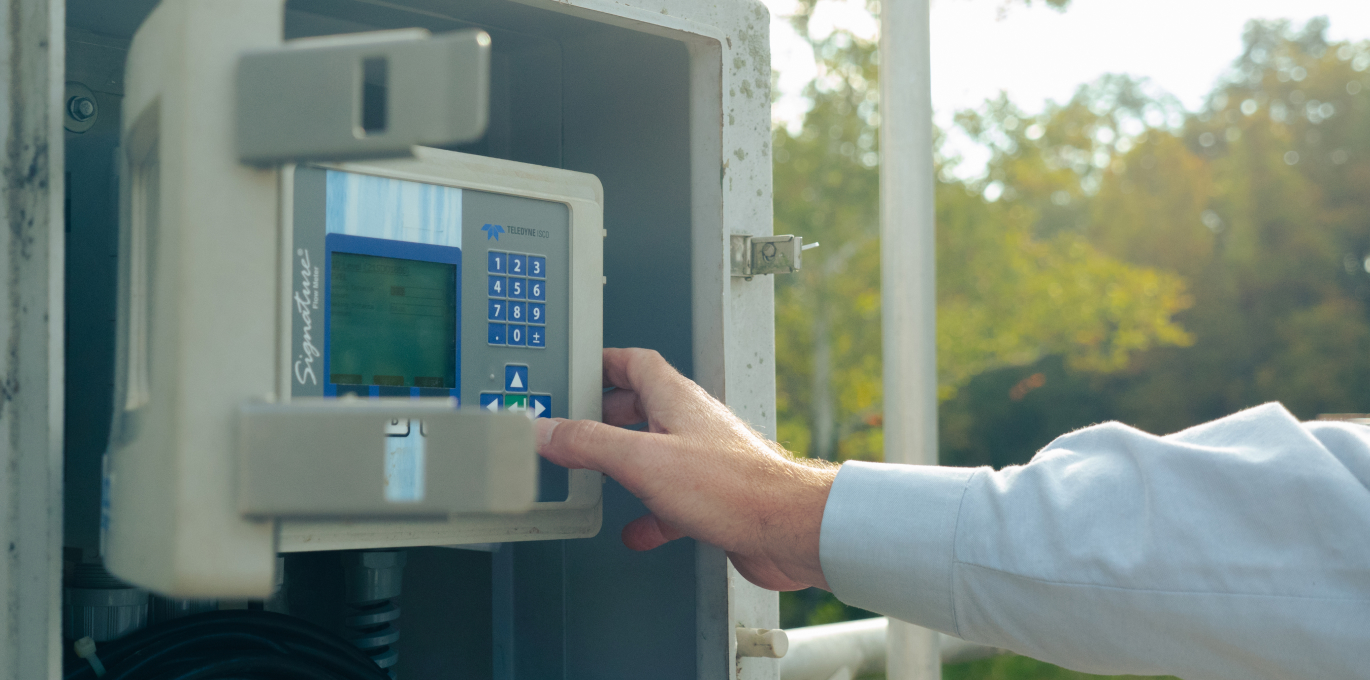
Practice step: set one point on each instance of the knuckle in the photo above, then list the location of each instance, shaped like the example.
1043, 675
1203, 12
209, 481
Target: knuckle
644, 356
574, 435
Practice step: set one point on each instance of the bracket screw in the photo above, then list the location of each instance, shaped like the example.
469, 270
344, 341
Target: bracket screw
81, 108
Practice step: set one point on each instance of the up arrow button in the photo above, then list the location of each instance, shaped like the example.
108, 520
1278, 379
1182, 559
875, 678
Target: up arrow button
515, 378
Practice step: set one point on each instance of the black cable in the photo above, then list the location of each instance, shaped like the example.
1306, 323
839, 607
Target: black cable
186, 648
232, 645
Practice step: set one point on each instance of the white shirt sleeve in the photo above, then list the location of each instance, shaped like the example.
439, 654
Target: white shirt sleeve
1238, 549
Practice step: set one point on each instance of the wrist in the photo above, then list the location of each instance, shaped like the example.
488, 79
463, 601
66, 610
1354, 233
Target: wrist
807, 500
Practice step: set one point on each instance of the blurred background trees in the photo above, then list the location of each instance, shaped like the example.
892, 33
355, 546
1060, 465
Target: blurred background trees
1121, 258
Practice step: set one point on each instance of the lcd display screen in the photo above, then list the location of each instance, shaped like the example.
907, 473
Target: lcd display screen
392, 322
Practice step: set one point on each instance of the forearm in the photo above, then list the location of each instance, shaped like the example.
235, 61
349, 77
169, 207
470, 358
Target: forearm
1230, 551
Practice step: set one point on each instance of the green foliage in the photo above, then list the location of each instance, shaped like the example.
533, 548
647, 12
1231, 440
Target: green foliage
1018, 667
826, 188
1013, 297
815, 607
1261, 200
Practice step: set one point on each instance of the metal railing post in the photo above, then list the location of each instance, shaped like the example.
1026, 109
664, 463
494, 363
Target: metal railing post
908, 277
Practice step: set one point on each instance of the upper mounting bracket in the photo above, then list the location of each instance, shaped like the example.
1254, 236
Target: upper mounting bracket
363, 95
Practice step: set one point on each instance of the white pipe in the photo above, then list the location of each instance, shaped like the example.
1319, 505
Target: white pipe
908, 276
845, 650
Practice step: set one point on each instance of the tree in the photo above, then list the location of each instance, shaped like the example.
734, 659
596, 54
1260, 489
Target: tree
1261, 200
1012, 296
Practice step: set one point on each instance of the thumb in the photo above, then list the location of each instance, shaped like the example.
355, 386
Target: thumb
585, 444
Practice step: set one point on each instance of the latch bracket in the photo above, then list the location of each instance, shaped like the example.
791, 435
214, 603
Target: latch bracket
755, 255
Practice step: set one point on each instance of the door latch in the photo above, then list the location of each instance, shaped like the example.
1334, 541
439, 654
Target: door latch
755, 255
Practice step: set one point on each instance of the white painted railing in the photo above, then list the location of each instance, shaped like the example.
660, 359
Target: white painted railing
841, 651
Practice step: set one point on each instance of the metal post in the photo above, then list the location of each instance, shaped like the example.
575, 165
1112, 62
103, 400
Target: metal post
907, 277
31, 38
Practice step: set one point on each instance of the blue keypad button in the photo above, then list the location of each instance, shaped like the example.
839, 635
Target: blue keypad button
496, 334
518, 312
515, 378
518, 288
499, 286
537, 313
491, 401
537, 290
498, 262
497, 310
518, 335
518, 265
537, 267
537, 336
540, 405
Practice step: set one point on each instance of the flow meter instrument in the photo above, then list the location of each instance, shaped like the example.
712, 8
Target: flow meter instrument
330, 335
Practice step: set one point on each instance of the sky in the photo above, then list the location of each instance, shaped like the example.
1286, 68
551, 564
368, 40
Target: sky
1035, 54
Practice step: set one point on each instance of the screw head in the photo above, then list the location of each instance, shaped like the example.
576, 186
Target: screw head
81, 108
768, 251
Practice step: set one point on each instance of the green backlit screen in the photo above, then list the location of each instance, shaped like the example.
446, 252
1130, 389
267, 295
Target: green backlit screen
392, 322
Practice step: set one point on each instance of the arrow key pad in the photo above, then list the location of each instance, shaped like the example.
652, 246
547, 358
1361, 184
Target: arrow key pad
518, 395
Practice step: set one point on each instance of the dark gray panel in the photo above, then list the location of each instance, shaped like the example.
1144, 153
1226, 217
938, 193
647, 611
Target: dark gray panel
627, 123
92, 244
629, 614
591, 608
632, 615
109, 18
530, 611
445, 622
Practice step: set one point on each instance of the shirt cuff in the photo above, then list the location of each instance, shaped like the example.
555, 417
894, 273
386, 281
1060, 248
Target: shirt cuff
887, 543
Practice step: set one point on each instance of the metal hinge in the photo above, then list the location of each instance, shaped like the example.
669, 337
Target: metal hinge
756, 255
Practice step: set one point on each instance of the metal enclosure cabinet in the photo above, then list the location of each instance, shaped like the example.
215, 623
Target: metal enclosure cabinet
667, 103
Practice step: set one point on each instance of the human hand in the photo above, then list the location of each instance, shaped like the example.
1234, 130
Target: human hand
700, 470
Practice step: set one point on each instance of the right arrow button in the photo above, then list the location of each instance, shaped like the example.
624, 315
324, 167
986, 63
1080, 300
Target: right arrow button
541, 405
